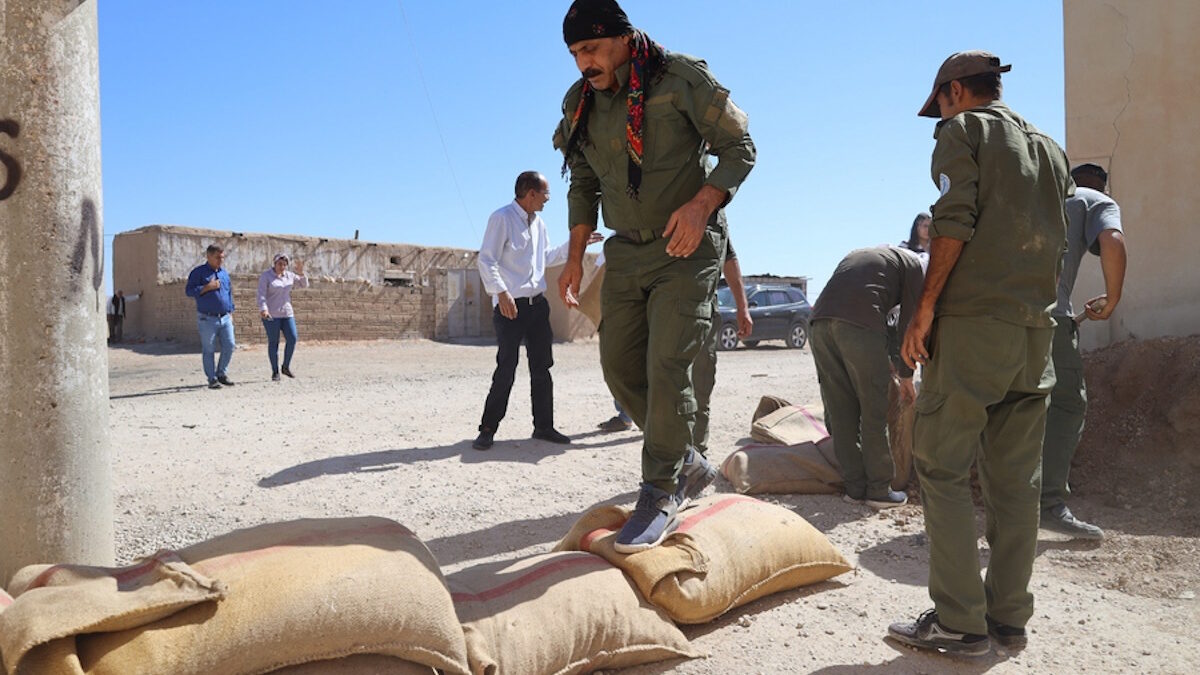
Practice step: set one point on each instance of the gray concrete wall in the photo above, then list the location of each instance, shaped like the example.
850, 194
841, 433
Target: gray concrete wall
1132, 72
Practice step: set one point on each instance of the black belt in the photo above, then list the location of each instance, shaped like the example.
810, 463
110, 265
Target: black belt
530, 301
214, 315
640, 236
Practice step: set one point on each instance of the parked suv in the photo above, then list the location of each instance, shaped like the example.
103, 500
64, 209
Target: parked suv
779, 313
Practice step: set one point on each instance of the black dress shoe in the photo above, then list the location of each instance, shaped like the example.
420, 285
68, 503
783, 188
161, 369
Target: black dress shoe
225, 380
551, 435
484, 440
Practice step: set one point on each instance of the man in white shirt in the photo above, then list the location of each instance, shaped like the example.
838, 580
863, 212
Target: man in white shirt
512, 262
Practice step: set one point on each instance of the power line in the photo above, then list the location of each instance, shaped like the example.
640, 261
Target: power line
436, 124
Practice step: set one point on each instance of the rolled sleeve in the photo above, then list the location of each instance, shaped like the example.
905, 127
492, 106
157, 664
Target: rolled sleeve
489, 256
956, 173
264, 282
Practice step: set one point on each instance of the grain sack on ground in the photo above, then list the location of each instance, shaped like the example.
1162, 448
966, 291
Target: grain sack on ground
729, 550
567, 612
299, 591
767, 405
55, 603
789, 425
589, 299
780, 469
359, 664
900, 436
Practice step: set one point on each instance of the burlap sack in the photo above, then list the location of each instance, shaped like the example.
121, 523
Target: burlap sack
559, 613
62, 601
729, 550
299, 591
790, 469
359, 664
900, 435
790, 425
767, 405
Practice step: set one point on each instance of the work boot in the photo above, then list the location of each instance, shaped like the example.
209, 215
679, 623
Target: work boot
1006, 635
695, 475
651, 521
928, 633
1058, 518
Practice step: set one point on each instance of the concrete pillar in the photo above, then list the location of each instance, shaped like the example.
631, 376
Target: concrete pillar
56, 500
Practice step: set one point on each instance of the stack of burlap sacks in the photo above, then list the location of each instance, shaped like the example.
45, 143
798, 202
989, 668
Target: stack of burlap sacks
794, 453
365, 595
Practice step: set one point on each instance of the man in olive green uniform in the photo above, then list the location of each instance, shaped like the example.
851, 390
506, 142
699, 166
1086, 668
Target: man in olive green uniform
634, 135
983, 330
850, 350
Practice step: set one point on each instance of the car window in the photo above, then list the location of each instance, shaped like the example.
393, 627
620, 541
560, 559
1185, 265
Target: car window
780, 298
797, 295
725, 297
760, 299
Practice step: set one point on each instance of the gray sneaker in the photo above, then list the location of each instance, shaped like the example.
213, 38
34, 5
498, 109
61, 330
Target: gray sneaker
928, 633
891, 500
651, 521
695, 475
1058, 518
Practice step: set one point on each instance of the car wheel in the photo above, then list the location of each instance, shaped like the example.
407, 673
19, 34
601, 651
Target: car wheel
797, 335
750, 343
728, 338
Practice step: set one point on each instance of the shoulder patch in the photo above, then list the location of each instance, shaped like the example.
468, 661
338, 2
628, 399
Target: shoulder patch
943, 184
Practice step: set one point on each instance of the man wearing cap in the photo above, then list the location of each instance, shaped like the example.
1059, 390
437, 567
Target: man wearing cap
1093, 226
635, 132
983, 331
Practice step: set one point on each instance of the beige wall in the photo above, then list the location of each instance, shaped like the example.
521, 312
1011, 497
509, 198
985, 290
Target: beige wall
1133, 106
348, 299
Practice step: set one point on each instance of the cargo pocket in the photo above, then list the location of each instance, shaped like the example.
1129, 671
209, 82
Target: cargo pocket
929, 401
695, 322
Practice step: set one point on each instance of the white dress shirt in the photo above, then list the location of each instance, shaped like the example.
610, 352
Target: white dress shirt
515, 254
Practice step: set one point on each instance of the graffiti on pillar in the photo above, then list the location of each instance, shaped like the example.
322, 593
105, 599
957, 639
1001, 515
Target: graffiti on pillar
89, 233
12, 169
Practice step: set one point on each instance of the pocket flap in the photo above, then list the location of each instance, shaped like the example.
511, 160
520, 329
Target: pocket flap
702, 310
928, 402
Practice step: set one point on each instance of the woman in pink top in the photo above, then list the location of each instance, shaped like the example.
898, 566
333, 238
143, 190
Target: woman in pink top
275, 305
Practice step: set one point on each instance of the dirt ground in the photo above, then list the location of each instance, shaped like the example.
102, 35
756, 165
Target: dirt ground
385, 429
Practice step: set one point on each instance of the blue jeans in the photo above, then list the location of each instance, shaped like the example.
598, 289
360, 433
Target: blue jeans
286, 324
215, 331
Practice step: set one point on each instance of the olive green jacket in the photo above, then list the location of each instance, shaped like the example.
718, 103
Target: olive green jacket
1003, 189
688, 115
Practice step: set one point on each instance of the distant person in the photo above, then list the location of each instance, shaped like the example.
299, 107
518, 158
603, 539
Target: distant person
116, 314
512, 263
918, 236
704, 370
850, 351
210, 285
636, 131
1093, 226
983, 332
275, 306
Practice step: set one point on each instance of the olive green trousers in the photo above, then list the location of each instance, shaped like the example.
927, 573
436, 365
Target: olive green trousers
983, 401
658, 318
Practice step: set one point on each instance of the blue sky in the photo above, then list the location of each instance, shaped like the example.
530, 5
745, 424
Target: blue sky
409, 121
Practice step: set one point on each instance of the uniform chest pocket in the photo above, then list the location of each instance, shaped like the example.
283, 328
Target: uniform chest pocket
670, 140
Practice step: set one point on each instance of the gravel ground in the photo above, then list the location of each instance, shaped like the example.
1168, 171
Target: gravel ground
385, 428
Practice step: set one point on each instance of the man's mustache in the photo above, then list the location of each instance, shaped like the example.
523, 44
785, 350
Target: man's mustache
591, 72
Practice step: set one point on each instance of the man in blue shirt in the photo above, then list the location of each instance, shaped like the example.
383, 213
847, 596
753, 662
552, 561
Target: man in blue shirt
209, 284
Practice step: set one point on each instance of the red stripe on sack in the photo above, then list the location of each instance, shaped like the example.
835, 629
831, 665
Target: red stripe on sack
5, 601
703, 515
130, 573
224, 561
813, 421
44, 577
530, 577
586, 541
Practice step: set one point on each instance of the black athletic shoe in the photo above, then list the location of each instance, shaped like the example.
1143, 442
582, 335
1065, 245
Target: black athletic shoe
274, 377
213, 384
1058, 518
484, 440
551, 435
1006, 635
225, 380
927, 633
286, 371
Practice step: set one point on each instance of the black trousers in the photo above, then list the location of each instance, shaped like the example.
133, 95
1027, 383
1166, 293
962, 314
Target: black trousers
532, 326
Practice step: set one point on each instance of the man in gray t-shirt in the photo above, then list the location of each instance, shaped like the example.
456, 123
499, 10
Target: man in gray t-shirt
1093, 226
